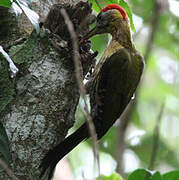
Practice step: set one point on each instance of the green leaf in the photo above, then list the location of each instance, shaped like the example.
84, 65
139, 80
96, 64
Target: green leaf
5, 3
129, 13
114, 176
136, 117
173, 175
111, 2
164, 153
143, 9
95, 5
4, 144
156, 176
100, 4
139, 174
97, 45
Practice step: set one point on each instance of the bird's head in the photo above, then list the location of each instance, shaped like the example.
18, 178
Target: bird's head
111, 19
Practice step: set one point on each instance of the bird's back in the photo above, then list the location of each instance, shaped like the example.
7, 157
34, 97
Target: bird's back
114, 85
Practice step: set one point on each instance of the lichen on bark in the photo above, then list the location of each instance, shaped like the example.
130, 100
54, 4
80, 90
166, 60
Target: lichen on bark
38, 107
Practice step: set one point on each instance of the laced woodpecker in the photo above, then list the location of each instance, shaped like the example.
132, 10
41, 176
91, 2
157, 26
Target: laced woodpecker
112, 85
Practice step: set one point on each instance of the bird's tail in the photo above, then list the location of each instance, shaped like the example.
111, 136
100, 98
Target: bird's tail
57, 153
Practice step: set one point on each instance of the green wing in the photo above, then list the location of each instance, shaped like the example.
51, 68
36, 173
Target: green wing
117, 80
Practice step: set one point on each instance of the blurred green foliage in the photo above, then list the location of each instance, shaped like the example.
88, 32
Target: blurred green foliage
142, 174
113, 176
5, 3
174, 175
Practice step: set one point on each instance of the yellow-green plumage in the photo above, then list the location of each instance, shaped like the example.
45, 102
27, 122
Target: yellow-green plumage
115, 80
112, 84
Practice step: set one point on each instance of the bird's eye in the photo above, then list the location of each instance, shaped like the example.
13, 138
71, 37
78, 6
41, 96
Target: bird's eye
102, 20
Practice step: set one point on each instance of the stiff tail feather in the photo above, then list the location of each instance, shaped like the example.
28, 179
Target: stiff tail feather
57, 153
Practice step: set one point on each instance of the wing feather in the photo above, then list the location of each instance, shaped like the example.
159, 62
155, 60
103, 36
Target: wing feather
116, 82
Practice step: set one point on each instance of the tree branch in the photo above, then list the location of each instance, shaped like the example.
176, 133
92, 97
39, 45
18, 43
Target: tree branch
78, 73
159, 6
8, 170
156, 138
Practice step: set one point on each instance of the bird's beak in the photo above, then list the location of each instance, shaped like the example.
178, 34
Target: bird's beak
91, 33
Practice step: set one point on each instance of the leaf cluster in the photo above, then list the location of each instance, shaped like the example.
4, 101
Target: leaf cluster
143, 174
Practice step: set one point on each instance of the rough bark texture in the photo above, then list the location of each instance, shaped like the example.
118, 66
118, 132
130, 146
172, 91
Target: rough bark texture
38, 107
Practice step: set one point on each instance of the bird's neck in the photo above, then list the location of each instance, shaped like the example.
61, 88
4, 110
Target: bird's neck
122, 34
112, 48
121, 38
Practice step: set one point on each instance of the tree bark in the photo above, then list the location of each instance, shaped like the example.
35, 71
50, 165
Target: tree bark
38, 106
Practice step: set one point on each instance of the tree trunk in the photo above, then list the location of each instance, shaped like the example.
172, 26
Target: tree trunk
38, 106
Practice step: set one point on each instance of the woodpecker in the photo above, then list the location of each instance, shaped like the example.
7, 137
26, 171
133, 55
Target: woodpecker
112, 84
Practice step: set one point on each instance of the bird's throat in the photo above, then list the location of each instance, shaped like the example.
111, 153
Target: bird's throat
113, 47
121, 38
